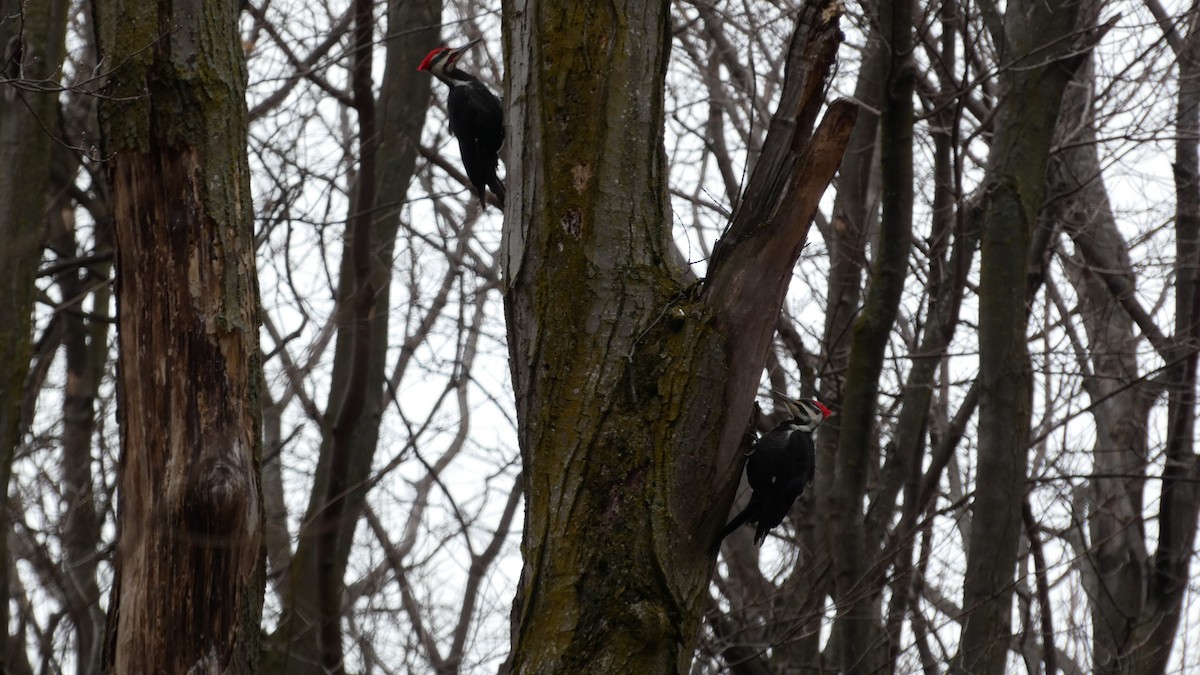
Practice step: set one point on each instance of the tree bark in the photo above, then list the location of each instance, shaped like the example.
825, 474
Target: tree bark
633, 390
1035, 73
953, 242
1114, 569
31, 55
855, 214
189, 572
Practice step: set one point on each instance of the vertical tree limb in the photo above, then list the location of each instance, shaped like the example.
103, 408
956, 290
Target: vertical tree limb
632, 389
1032, 81
31, 51
857, 630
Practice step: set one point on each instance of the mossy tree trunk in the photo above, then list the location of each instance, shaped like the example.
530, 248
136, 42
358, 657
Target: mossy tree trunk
1037, 60
31, 55
188, 590
633, 389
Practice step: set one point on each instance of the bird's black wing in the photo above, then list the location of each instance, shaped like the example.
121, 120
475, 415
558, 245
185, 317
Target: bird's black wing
800, 446
477, 120
774, 460
490, 120
779, 467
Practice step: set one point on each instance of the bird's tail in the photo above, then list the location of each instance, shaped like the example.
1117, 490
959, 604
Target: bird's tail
761, 532
497, 188
738, 521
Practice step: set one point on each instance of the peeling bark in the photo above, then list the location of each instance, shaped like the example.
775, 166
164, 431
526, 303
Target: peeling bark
188, 590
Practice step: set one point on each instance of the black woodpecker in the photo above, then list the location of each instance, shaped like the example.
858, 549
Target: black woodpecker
778, 467
476, 119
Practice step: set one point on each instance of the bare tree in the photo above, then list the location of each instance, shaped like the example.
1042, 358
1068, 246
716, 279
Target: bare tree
311, 636
390, 540
1035, 51
858, 629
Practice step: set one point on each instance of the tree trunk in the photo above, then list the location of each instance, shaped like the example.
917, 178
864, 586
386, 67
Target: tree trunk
1180, 505
189, 572
1034, 76
633, 390
952, 251
1114, 569
857, 629
31, 51
320, 569
85, 348
855, 213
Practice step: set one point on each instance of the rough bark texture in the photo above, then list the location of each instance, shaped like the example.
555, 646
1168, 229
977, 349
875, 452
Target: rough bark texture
633, 391
31, 54
1035, 40
403, 100
188, 589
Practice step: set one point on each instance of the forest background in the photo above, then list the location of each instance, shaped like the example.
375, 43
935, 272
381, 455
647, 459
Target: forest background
998, 295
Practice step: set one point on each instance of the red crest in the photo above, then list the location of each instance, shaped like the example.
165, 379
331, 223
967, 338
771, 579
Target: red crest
430, 56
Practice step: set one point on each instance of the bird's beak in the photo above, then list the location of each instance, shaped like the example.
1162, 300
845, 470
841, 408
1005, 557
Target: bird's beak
459, 51
793, 408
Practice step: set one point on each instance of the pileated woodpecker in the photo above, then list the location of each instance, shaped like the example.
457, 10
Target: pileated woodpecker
476, 118
778, 467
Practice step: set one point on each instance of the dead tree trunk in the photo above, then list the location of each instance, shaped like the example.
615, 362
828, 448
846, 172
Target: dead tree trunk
188, 590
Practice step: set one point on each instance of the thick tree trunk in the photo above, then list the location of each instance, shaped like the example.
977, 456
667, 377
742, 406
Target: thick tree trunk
320, 569
1035, 42
188, 589
31, 53
633, 391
